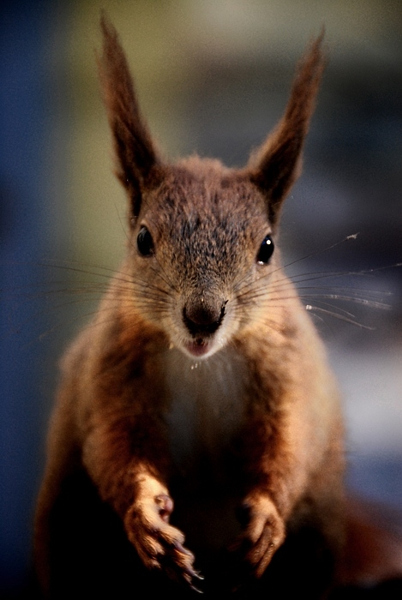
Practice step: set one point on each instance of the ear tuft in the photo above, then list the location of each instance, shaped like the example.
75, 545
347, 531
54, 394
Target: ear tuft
277, 164
137, 160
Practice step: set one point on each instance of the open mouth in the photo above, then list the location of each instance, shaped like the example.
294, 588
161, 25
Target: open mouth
198, 347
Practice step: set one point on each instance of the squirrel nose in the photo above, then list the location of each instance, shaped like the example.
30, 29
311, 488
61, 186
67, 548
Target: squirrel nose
203, 318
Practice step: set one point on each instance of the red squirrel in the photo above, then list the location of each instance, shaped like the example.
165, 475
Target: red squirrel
197, 441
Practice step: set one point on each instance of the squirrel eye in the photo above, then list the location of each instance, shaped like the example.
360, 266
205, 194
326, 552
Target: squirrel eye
145, 243
266, 250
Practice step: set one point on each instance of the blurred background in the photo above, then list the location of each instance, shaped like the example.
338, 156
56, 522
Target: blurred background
212, 77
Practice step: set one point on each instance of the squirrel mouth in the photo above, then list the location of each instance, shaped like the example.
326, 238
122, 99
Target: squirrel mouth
198, 347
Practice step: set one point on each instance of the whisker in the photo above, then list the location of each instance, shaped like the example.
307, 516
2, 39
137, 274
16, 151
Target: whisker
349, 298
337, 315
348, 238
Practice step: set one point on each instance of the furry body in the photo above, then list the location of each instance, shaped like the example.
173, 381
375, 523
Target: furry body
197, 410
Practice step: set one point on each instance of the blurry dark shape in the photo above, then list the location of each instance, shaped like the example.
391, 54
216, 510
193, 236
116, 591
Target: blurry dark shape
23, 112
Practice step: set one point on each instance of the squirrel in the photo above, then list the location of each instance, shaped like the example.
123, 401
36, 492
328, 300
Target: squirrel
197, 442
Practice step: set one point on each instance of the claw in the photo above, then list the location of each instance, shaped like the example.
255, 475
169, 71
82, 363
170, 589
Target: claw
180, 548
190, 582
190, 571
185, 576
195, 589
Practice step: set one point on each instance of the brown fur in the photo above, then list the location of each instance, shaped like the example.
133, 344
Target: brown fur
202, 380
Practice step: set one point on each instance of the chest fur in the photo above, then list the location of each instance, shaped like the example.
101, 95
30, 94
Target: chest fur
206, 409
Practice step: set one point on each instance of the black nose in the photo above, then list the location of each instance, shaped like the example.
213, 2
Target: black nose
203, 318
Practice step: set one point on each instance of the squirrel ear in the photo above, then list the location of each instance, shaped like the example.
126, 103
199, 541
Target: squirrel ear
277, 164
137, 161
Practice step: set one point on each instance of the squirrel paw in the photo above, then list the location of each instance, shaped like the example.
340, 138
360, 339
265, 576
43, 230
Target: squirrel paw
263, 533
159, 545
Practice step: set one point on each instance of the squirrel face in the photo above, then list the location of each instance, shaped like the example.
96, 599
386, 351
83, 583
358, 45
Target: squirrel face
201, 242
201, 252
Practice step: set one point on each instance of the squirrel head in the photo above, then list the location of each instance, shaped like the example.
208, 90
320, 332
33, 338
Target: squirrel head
201, 235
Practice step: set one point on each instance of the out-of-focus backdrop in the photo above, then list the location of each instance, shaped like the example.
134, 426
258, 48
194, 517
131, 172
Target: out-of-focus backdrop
213, 78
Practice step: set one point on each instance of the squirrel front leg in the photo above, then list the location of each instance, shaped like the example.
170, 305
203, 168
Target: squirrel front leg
263, 511
285, 465
128, 470
263, 534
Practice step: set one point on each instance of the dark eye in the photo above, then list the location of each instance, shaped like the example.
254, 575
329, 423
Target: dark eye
266, 250
145, 243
